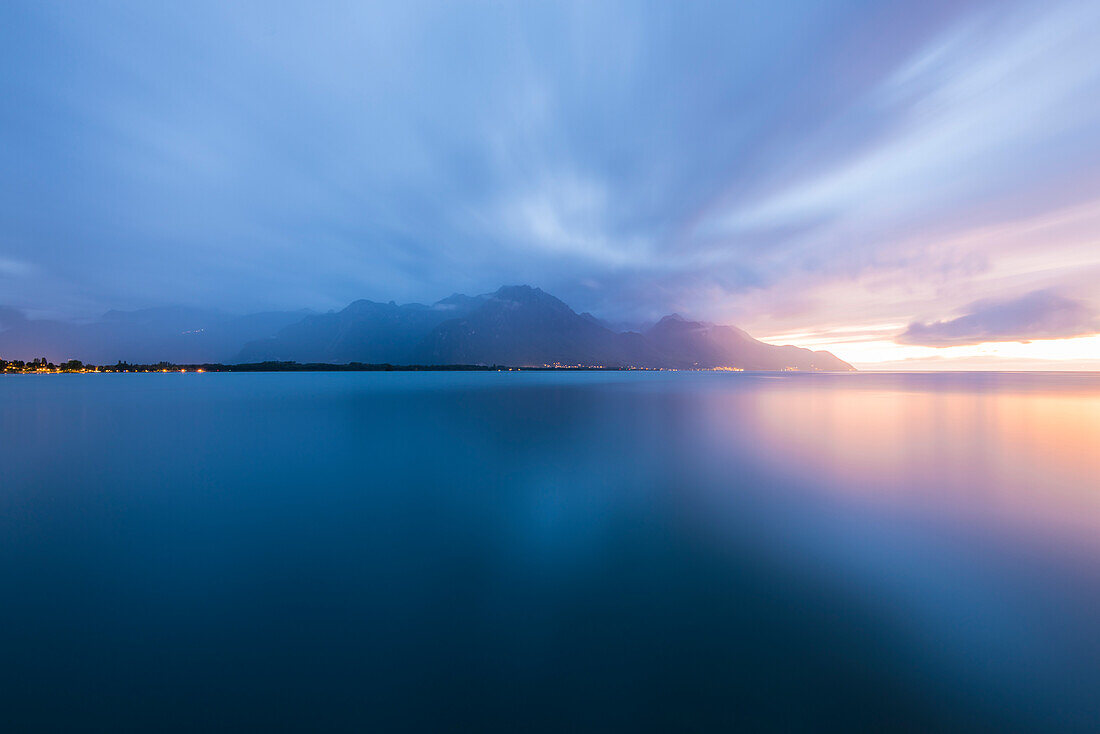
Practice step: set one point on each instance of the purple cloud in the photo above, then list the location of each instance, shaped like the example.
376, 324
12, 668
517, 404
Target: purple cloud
1037, 315
10, 316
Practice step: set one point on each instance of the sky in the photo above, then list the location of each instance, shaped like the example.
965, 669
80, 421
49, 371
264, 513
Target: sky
908, 184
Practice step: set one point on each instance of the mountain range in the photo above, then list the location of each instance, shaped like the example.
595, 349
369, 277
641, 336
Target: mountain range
514, 326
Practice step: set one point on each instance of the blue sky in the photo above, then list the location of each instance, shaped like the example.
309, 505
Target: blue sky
846, 174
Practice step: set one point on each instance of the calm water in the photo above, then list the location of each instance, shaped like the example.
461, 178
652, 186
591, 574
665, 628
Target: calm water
550, 552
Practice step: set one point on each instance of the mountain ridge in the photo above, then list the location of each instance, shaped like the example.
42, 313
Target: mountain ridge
516, 325
521, 326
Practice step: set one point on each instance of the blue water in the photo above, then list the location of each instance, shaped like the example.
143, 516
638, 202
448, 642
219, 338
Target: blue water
550, 552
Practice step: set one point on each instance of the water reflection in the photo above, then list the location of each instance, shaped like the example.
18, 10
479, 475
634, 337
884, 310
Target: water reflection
550, 552
1011, 450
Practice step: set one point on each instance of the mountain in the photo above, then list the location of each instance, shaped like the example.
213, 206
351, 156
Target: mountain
365, 331
519, 326
698, 344
516, 326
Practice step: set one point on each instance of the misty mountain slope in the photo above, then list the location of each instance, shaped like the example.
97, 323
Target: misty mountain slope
688, 344
365, 331
150, 335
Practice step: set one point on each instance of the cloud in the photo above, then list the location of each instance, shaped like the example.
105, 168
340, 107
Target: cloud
14, 268
10, 316
1038, 315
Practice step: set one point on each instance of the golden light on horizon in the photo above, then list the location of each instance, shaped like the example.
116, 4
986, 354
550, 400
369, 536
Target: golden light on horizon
872, 347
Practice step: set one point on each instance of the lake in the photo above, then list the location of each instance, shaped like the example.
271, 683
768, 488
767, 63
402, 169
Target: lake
585, 551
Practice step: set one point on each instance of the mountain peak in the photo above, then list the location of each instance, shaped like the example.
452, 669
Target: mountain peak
359, 305
525, 295
519, 293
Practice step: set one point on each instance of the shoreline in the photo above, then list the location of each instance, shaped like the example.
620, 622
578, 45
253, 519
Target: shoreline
166, 367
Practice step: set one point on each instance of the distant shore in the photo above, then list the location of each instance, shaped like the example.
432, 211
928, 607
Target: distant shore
75, 367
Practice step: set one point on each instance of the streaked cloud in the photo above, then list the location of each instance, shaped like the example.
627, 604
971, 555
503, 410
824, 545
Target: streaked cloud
1036, 315
15, 268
